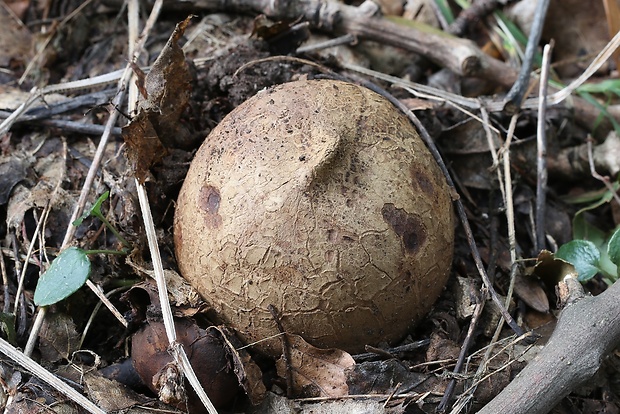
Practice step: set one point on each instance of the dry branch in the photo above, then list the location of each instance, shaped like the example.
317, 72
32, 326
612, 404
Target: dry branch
588, 330
461, 56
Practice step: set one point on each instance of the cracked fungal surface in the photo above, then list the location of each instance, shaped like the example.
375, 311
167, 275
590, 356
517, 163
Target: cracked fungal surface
319, 198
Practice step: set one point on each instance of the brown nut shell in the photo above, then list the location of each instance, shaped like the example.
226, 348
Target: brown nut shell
317, 197
206, 353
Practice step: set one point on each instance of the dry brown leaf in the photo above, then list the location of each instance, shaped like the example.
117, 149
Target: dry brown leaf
144, 148
58, 338
468, 144
551, 270
248, 373
12, 171
50, 171
180, 293
112, 396
532, 293
607, 155
442, 349
382, 377
316, 372
465, 292
157, 126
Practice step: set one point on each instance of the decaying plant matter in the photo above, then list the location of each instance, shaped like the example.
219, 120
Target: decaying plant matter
334, 239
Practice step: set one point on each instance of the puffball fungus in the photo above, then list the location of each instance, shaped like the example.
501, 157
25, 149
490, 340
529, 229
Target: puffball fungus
317, 197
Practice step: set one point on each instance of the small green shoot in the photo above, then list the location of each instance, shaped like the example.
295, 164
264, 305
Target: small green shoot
7, 326
95, 211
71, 268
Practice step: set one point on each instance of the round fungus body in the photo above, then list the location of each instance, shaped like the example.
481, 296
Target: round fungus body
320, 199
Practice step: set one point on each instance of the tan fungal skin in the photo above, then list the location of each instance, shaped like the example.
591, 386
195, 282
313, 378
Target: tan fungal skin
319, 198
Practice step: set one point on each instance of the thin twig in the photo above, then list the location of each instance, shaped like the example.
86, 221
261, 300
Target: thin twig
516, 93
602, 178
541, 153
347, 39
476, 12
598, 61
481, 299
5, 285
447, 396
92, 172
38, 322
509, 203
175, 348
22, 275
286, 350
481, 373
44, 375
78, 127
588, 330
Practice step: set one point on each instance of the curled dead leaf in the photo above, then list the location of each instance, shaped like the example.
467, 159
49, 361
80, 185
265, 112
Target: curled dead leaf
315, 372
156, 126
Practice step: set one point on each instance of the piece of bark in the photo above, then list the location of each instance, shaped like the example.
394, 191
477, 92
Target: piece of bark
588, 330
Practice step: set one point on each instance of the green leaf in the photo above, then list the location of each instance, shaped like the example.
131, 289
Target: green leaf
582, 254
516, 33
67, 273
444, 9
7, 325
613, 248
604, 113
606, 86
584, 230
598, 197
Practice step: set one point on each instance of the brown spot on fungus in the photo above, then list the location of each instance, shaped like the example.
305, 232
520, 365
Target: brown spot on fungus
407, 226
209, 201
424, 182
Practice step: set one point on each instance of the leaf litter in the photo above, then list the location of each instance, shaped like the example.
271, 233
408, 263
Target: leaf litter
171, 111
